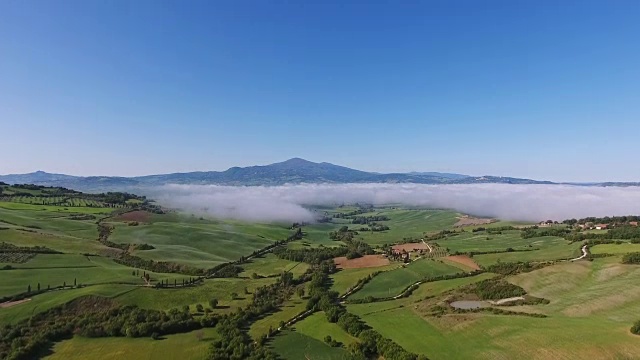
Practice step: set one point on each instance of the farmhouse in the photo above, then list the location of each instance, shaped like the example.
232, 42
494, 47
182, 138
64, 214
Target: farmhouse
633, 223
601, 226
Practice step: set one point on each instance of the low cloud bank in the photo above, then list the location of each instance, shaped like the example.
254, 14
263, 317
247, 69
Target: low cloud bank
508, 202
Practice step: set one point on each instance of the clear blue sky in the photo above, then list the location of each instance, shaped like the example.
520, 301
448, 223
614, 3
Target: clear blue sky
538, 89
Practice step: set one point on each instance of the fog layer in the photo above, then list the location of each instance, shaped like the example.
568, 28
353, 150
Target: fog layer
508, 202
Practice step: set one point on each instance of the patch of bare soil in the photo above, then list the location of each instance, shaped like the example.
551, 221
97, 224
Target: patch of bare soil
361, 262
411, 247
464, 260
470, 220
138, 215
8, 304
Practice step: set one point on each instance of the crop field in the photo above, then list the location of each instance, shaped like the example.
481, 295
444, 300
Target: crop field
391, 283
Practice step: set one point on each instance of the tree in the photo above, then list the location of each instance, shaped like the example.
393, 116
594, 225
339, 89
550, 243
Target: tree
213, 303
38, 286
300, 292
29, 288
155, 336
233, 296
133, 273
199, 308
74, 282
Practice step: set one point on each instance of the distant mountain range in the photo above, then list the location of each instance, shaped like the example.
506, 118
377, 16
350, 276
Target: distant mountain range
292, 171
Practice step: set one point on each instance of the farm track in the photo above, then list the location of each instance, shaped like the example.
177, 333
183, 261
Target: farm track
584, 254
507, 300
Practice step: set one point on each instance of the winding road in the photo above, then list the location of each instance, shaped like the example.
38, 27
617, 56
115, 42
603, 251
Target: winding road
429, 246
584, 254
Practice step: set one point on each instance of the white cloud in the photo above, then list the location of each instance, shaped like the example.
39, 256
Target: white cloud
509, 202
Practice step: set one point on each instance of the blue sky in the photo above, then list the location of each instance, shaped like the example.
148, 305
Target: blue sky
538, 89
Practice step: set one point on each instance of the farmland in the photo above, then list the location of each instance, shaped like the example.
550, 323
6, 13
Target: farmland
207, 271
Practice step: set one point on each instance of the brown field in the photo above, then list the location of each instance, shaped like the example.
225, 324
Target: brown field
410, 247
361, 262
469, 220
463, 260
138, 215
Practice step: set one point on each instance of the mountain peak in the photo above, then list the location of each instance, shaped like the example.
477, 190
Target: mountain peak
296, 161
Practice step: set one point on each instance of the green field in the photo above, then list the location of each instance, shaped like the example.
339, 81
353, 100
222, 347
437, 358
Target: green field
592, 304
623, 248
391, 283
481, 241
316, 326
408, 224
55, 270
294, 345
346, 278
193, 345
561, 250
198, 243
287, 312
270, 265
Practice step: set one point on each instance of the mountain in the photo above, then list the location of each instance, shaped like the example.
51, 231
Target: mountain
292, 171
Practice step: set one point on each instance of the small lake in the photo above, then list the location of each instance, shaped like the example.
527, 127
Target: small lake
468, 304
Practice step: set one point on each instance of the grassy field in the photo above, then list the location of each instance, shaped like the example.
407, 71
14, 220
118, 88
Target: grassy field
316, 326
408, 223
51, 299
346, 278
199, 243
55, 270
561, 250
592, 303
292, 345
481, 241
220, 289
623, 248
59, 242
270, 264
287, 311
179, 346
391, 283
